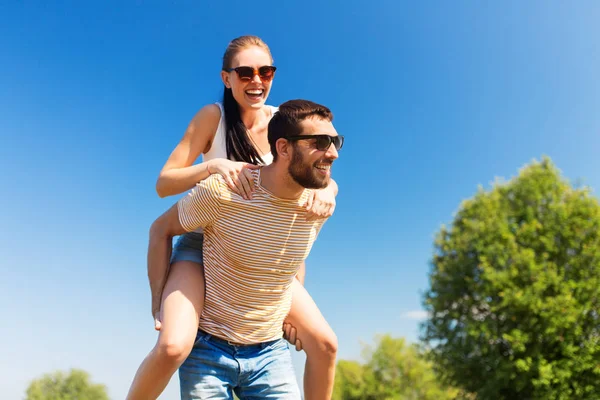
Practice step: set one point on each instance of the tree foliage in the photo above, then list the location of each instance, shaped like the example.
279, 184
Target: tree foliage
394, 370
514, 301
75, 385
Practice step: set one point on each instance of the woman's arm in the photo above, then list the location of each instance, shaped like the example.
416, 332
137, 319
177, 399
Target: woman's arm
179, 174
333, 186
321, 203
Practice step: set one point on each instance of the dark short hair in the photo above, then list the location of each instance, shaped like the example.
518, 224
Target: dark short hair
286, 121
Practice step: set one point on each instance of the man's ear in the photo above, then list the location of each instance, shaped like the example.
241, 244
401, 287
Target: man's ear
284, 148
225, 79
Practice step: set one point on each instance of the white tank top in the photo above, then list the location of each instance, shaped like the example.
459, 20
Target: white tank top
218, 149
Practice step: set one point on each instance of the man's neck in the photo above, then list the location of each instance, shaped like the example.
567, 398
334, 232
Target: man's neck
278, 181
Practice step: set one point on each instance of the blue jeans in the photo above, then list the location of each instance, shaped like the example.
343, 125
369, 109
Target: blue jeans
188, 247
215, 369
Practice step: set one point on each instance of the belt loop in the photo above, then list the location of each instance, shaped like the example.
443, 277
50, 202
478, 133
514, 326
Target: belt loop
207, 336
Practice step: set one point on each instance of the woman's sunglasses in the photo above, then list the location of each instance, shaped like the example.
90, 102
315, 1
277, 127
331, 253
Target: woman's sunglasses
265, 73
322, 142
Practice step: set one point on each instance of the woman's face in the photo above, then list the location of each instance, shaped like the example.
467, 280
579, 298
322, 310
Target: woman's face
254, 92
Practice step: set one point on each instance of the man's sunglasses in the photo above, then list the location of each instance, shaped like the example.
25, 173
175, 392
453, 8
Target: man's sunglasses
322, 142
265, 73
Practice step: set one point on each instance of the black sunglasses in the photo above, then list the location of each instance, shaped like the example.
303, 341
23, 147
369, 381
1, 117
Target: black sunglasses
322, 141
265, 73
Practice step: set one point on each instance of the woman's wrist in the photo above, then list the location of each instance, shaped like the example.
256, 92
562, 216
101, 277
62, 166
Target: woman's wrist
333, 186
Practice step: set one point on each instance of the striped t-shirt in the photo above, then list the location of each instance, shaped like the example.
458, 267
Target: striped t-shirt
252, 252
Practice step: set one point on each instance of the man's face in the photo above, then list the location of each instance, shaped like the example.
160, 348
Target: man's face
309, 166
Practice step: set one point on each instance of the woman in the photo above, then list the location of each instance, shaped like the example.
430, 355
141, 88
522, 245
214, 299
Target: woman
233, 130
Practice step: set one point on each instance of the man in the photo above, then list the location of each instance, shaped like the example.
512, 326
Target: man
253, 250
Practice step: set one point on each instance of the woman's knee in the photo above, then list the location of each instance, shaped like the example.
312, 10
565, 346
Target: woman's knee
174, 348
325, 344
330, 343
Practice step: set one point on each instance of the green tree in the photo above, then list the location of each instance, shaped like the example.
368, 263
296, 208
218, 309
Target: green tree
75, 385
394, 370
349, 381
514, 301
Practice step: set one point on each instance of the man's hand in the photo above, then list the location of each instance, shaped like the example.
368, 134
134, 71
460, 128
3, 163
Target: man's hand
157, 310
157, 322
290, 334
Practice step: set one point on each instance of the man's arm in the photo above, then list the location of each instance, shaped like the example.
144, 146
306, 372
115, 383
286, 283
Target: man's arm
162, 232
197, 209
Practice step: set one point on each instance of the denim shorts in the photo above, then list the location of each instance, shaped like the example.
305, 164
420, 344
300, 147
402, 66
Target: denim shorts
188, 248
215, 369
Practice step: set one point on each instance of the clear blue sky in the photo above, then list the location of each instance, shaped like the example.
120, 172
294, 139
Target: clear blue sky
433, 100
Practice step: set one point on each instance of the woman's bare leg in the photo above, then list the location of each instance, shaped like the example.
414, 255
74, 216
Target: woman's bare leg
182, 302
318, 341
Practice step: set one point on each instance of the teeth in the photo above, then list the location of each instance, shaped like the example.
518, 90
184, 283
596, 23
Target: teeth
325, 167
254, 91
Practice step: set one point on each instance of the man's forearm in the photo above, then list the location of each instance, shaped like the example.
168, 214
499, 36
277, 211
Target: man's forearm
159, 254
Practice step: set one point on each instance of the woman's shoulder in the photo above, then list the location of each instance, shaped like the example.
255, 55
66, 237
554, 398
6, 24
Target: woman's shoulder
212, 110
209, 115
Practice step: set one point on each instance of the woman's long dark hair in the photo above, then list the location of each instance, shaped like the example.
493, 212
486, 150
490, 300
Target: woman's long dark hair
238, 144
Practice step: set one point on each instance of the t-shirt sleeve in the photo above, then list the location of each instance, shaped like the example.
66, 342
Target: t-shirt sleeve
202, 205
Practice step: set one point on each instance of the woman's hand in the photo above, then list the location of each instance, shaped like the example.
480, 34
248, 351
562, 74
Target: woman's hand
236, 174
321, 203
